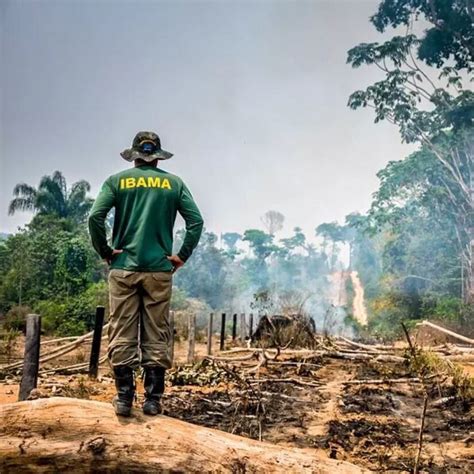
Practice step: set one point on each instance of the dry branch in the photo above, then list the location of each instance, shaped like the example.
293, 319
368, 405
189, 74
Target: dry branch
61, 339
53, 354
382, 381
72, 368
287, 380
232, 359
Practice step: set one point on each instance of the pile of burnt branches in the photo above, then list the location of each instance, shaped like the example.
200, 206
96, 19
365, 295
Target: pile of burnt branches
219, 395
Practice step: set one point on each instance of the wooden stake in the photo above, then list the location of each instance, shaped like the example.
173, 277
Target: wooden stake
96, 339
410, 344
29, 378
191, 337
171, 343
243, 327
416, 467
209, 334
222, 342
234, 327
251, 325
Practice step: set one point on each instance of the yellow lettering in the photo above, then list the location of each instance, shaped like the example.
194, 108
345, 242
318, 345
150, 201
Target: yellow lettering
154, 182
145, 182
141, 182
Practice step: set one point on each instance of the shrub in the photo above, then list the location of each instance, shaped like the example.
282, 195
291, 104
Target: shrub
8, 343
15, 319
52, 314
73, 316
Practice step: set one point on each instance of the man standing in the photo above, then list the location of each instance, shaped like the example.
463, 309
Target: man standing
146, 200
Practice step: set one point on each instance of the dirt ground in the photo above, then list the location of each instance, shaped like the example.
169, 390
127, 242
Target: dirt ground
374, 426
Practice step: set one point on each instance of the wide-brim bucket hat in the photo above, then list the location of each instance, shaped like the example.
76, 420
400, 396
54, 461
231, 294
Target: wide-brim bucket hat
146, 146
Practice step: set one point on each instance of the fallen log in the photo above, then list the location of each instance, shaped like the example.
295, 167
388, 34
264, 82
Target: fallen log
460, 337
79, 436
373, 348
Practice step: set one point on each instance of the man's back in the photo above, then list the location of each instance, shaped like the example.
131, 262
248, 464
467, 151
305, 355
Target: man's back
146, 201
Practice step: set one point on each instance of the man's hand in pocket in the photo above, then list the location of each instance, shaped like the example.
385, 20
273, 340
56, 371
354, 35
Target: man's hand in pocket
114, 252
176, 262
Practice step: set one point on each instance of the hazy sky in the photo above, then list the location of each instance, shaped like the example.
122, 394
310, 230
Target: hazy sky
250, 96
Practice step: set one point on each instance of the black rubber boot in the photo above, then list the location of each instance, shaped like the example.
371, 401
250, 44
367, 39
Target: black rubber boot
125, 385
154, 388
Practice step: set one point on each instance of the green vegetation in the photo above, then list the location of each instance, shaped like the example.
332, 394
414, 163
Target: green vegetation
53, 198
414, 250
50, 267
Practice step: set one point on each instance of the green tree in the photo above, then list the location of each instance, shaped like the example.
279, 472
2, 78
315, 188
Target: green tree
298, 240
334, 233
206, 273
407, 249
48, 259
437, 112
52, 197
365, 252
230, 240
260, 243
75, 264
418, 202
262, 247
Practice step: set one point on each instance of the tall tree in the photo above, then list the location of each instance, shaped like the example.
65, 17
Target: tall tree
230, 240
273, 221
52, 197
365, 257
261, 243
334, 233
413, 203
298, 240
206, 274
437, 112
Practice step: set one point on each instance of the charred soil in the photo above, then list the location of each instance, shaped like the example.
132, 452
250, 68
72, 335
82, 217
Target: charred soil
307, 402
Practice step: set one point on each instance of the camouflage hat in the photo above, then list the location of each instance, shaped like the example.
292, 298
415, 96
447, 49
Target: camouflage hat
146, 146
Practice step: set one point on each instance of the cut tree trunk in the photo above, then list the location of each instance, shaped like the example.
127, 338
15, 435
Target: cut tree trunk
71, 435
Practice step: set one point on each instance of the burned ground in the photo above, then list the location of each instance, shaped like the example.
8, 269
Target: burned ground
305, 400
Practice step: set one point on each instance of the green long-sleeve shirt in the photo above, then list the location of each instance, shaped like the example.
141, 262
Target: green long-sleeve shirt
146, 200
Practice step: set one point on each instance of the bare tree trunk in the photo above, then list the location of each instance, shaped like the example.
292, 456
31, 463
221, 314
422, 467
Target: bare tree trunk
470, 290
79, 436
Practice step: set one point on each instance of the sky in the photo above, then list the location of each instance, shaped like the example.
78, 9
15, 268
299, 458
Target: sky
250, 96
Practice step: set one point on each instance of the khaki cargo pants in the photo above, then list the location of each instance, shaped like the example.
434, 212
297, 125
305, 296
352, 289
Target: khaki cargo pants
139, 327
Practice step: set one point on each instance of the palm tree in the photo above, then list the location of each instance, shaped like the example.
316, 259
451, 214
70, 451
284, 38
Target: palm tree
52, 197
